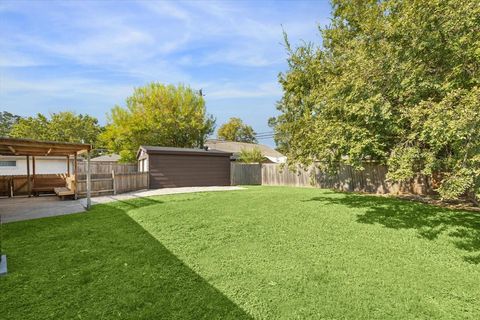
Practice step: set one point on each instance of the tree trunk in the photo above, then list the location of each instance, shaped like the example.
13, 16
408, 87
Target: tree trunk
472, 197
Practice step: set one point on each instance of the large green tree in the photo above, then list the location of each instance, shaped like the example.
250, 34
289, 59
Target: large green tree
236, 130
157, 114
62, 126
396, 81
7, 121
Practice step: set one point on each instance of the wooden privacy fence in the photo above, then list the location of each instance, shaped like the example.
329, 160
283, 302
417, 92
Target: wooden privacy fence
113, 183
131, 181
100, 184
103, 167
373, 179
246, 174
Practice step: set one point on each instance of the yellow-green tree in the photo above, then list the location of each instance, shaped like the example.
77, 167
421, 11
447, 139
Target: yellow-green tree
157, 114
236, 130
251, 156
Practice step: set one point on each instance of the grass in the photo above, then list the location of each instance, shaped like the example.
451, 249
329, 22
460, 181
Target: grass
264, 252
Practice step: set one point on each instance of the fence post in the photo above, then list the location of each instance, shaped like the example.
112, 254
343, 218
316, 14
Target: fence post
113, 183
89, 181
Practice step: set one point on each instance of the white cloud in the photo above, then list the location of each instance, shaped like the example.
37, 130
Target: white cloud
170, 9
70, 87
15, 60
97, 51
94, 34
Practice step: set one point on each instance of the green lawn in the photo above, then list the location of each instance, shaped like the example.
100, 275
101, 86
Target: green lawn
265, 252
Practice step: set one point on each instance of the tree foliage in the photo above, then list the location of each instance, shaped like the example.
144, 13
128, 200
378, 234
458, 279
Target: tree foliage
156, 114
280, 137
236, 130
251, 156
396, 81
7, 121
62, 126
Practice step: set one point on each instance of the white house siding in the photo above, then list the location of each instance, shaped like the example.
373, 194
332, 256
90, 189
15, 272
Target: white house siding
143, 164
43, 165
277, 159
143, 161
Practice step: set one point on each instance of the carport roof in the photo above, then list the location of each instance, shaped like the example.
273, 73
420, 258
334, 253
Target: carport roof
30, 147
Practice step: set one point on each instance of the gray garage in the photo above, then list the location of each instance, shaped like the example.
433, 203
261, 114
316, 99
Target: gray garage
182, 167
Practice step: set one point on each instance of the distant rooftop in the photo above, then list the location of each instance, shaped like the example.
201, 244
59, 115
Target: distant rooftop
107, 158
236, 147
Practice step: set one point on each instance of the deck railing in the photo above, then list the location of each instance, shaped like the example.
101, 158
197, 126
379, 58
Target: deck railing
113, 183
101, 183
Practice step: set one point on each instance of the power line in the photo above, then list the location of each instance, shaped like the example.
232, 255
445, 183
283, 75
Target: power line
265, 134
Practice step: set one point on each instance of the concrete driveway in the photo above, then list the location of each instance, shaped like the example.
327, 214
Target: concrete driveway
23, 208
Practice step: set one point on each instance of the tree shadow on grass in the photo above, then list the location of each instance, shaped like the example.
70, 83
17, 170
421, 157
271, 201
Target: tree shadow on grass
136, 203
462, 227
139, 202
102, 265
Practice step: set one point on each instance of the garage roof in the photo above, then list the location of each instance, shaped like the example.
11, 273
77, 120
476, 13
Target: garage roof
180, 151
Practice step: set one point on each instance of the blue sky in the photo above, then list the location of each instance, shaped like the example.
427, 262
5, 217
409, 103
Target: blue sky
87, 56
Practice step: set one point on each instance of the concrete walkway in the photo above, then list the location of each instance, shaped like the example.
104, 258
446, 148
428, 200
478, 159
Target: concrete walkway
23, 208
155, 192
17, 209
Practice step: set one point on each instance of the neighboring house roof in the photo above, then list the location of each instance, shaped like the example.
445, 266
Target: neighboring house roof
107, 157
236, 147
171, 150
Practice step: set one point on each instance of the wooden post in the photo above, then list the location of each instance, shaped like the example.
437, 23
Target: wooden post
68, 166
88, 181
147, 170
113, 182
28, 177
33, 167
75, 172
148, 179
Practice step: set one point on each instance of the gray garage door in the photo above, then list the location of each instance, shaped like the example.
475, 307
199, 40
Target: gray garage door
174, 170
